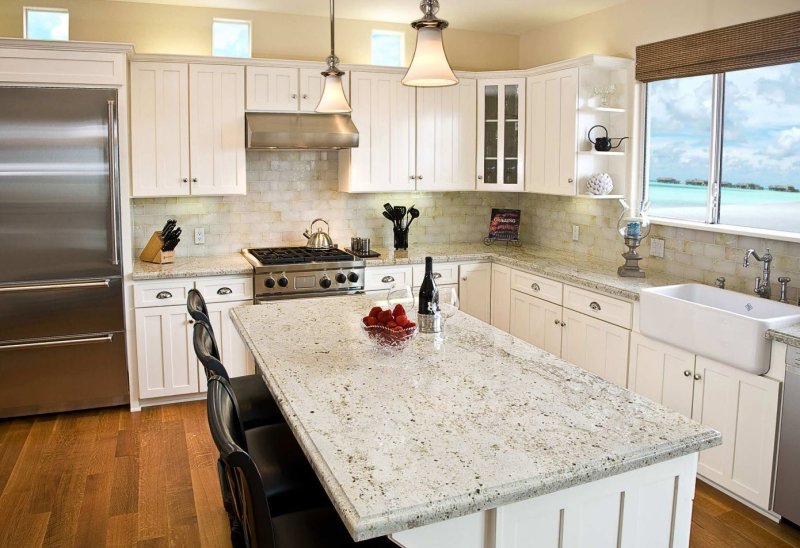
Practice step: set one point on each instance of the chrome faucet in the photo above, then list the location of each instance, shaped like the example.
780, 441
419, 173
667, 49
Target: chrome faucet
762, 287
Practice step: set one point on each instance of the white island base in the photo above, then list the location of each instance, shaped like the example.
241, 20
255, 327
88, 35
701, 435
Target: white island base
649, 507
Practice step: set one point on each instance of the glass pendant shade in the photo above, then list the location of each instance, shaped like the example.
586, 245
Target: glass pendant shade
429, 67
333, 99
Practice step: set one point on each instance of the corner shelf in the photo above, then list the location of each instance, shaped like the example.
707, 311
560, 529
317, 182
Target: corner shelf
604, 109
598, 153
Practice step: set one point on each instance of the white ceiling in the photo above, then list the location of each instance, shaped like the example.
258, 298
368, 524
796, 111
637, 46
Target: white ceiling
503, 16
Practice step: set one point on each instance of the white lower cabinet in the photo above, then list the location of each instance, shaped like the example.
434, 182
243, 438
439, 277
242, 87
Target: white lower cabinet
536, 321
474, 290
744, 408
597, 346
740, 405
500, 310
165, 356
661, 372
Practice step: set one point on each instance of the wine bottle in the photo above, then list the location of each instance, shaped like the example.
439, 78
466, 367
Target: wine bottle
428, 294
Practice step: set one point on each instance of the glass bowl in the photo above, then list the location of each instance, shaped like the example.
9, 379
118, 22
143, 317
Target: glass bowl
390, 337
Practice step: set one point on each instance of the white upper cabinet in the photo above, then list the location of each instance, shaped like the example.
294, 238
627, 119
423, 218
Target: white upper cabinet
187, 129
272, 88
409, 138
286, 89
160, 129
216, 129
446, 136
563, 106
501, 134
384, 111
552, 121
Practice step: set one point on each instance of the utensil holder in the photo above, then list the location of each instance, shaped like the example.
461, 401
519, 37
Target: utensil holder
152, 251
400, 238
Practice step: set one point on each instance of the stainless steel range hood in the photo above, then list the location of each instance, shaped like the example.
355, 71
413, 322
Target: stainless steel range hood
292, 131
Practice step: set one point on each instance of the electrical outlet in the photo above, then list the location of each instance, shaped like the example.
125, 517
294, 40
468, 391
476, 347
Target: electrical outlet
656, 247
576, 233
199, 236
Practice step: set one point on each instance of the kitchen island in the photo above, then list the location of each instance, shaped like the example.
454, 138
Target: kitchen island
473, 439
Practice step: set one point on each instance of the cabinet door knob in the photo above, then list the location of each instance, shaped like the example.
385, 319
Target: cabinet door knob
563, 324
464, 279
594, 305
557, 322
570, 180
437, 275
294, 96
224, 291
412, 177
191, 322
387, 279
480, 177
194, 179
419, 177
185, 179
163, 295
687, 373
305, 96
535, 287
697, 376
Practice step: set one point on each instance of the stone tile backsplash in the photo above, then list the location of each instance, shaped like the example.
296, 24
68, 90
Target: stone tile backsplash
289, 189
286, 190
692, 254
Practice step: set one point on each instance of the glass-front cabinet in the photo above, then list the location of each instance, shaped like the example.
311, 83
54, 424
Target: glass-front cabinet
501, 134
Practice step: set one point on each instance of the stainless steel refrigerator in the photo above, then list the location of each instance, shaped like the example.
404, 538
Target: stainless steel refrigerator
62, 330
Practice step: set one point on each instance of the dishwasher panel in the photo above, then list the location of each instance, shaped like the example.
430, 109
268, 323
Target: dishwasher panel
787, 479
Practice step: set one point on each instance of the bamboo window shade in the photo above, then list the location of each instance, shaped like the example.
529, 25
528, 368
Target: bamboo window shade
771, 41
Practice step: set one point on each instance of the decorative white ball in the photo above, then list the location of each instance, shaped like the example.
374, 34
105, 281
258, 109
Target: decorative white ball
600, 184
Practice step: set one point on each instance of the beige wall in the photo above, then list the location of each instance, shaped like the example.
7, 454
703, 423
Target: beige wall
619, 29
154, 28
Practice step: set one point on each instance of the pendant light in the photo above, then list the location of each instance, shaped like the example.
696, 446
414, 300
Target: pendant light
333, 99
429, 66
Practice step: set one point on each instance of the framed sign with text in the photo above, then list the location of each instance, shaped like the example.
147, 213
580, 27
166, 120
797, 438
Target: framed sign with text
504, 226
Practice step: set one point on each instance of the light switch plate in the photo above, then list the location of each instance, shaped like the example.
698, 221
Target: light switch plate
656, 247
199, 236
576, 232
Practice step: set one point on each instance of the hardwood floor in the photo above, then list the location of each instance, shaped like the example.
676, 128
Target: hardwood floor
149, 479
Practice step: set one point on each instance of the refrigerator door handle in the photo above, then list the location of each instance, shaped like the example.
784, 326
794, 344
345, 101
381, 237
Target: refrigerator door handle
48, 287
58, 342
112, 177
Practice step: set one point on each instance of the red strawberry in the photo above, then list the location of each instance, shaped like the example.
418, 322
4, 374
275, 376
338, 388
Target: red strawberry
365, 319
385, 316
370, 321
374, 311
397, 329
390, 324
399, 311
401, 320
410, 325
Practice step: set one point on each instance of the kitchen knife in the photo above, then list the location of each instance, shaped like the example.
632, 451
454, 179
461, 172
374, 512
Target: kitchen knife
169, 224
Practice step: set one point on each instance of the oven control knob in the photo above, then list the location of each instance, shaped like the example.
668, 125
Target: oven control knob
341, 278
270, 282
325, 282
283, 281
353, 277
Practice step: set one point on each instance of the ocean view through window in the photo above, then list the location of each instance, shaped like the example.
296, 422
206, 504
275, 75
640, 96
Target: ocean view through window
758, 160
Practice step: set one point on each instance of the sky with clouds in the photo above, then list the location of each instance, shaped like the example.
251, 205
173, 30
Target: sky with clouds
761, 141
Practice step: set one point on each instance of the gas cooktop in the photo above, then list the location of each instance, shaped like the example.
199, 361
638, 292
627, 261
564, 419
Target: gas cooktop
295, 255
291, 272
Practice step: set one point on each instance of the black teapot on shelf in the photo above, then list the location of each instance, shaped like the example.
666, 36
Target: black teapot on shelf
604, 144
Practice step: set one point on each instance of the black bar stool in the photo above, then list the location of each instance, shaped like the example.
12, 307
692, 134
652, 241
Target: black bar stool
256, 405
262, 526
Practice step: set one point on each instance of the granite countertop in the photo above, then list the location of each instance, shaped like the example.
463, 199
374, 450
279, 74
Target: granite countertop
568, 267
446, 427
571, 268
190, 267
787, 335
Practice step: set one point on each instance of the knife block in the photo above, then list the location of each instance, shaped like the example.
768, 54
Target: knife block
152, 251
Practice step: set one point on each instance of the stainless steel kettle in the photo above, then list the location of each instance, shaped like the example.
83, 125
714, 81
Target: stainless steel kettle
318, 239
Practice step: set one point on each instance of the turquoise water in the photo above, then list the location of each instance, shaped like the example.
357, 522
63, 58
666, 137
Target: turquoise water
664, 195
